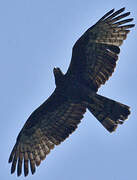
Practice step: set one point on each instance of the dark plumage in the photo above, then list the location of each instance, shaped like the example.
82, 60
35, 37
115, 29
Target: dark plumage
93, 61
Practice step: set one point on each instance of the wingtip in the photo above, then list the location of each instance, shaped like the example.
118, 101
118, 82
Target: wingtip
131, 25
111, 11
12, 170
26, 173
33, 172
122, 9
131, 19
18, 174
128, 13
10, 159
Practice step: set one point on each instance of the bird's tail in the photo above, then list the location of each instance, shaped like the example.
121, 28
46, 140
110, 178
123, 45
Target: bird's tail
108, 112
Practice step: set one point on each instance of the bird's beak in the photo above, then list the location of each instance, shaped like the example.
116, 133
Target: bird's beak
54, 69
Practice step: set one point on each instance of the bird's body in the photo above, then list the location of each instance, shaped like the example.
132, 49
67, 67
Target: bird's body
93, 61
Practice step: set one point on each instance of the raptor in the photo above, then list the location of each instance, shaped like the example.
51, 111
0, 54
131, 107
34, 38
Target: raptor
93, 61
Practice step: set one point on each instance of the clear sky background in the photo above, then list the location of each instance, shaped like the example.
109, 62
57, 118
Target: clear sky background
35, 36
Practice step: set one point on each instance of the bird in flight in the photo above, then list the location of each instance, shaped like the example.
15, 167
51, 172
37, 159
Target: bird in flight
93, 61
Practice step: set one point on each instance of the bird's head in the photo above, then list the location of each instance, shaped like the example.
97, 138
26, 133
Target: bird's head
56, 71
59, 76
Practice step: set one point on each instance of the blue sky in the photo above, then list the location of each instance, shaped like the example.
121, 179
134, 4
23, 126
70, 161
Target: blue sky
35, 36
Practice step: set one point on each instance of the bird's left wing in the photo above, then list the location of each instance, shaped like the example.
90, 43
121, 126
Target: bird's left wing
48, 125
95, 54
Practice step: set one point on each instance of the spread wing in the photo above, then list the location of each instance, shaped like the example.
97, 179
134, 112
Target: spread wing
47, 126
95, 54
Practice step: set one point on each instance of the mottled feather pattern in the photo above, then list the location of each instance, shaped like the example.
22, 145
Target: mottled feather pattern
93, 61
104, 64
95, 54
101, 57
108, 112
54, 128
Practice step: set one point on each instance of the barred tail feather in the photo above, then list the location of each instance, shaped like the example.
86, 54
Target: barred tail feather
108, 112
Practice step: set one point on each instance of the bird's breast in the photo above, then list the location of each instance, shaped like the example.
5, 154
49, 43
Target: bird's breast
75, 90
